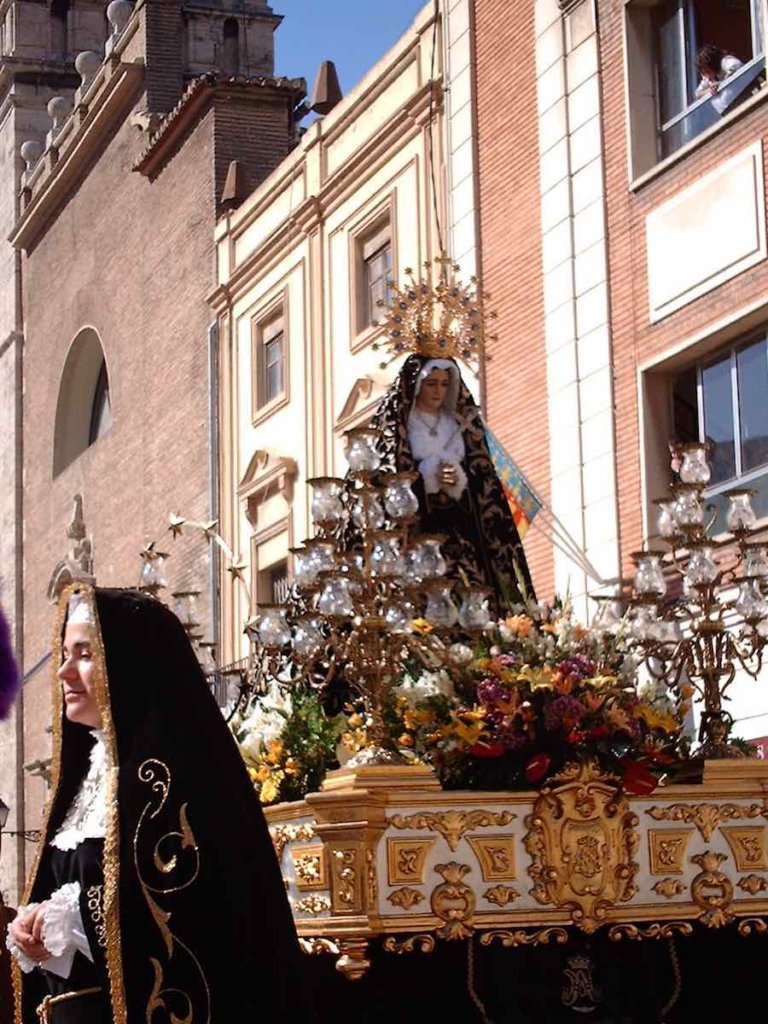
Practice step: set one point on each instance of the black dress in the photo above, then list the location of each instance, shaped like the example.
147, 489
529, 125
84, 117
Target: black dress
84, 864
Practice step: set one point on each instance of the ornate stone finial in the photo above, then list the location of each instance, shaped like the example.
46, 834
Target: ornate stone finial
118, 15
87, 64
78, 565
58, 109
31, 151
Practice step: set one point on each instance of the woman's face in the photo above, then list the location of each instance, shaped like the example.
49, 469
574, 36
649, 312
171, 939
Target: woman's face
433, 390
76, 675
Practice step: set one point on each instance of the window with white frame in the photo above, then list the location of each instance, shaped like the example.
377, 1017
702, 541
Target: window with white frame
269, 359
724, 399
671, 101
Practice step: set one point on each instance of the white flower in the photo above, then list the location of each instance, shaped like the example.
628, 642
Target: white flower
429, 684
266, 721
461, 654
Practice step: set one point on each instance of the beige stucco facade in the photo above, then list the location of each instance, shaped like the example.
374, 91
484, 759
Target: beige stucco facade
294, 253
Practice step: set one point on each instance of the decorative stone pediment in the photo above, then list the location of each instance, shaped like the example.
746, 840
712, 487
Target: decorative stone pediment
266, 475
363, 397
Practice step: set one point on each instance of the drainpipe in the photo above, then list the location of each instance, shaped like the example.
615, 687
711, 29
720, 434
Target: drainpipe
21, 813
213, 478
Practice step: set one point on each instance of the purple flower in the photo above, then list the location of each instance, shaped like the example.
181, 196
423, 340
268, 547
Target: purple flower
576, 668
490, 691
562, 711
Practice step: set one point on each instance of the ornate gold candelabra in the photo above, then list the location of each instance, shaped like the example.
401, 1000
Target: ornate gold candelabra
712, 622
360, 586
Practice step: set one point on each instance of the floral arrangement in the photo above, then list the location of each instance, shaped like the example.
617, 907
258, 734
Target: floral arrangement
539, 690
535, 691
288, 742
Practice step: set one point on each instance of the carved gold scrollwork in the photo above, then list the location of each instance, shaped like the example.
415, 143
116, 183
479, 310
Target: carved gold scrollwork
712, 890
582, 842
345, 890
667, 850
313, 904
420, 943
753, 924
406, 859
406, 897
669, 887
310, 868
667, 930
747, 843
452, 825
496, 856
317, 945
520, 937
753, 884
706, 817
501, 895
453, 901
284, 834
371, 882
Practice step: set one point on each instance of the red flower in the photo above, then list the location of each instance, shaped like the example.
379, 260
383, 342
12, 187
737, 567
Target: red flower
637, 779
537, 767
487, 750
600, 732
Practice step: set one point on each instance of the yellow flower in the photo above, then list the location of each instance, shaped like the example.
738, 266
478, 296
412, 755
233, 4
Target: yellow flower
422, 627
261, 774
521, 625
655, 719
538, 678
269, 791
601, 682
469, 726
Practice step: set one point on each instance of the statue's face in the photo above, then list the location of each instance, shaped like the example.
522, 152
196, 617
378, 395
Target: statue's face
433, 390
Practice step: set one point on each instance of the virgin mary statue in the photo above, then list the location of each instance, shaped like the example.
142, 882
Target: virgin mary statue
429, 423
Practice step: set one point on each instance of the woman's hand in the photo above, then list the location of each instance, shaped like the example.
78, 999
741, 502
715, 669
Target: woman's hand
26, 930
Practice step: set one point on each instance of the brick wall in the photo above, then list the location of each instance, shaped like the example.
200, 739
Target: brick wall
132, 258
510, 245
164, 54
635, 340
254, 131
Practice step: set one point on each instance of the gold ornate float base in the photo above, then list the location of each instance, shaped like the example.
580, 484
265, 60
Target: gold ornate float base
384, 852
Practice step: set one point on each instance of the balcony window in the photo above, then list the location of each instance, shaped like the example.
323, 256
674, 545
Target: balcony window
669, 98
725, 400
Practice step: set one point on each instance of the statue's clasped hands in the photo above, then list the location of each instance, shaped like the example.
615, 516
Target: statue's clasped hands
448, 475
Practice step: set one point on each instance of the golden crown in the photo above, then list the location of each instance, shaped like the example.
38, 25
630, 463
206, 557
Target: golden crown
443, 320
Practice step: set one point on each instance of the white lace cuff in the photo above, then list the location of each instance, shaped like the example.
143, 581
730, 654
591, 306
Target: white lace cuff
63, 928
25, 963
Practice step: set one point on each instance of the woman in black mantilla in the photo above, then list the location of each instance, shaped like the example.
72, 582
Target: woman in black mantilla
156, 894
429, 422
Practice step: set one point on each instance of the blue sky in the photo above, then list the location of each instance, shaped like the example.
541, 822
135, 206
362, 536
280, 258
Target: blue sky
354, 34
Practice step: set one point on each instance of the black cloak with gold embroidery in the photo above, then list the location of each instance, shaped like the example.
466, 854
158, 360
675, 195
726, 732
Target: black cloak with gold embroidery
193, 920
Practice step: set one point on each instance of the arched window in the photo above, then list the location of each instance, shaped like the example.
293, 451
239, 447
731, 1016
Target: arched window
59, 36
101, 410
230, 61
83, 410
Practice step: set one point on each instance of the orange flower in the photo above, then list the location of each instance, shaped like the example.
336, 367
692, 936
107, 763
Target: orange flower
405, 740
521, 625
594, 701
